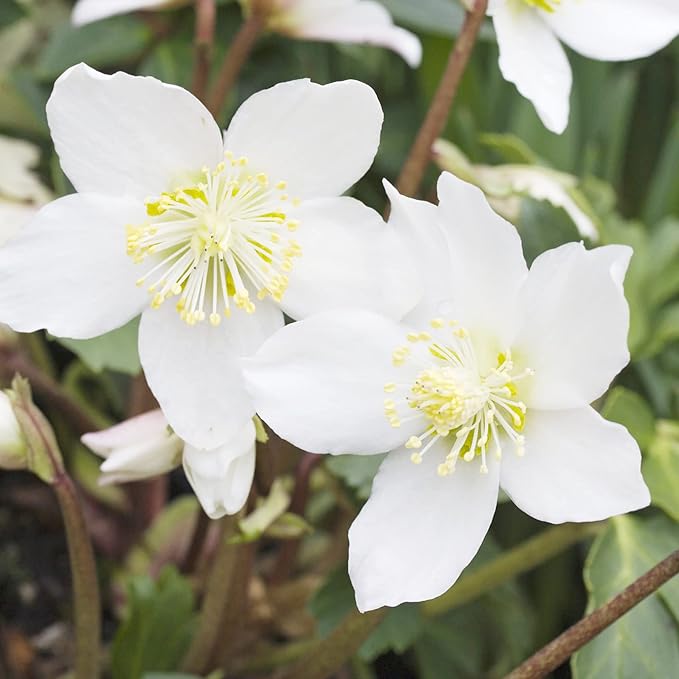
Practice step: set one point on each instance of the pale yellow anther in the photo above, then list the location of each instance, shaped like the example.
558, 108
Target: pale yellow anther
437, 322
414, 442
416, 458
282, 185
262, 179
413, 336
292, 224
444, 469
215, 319
390, 387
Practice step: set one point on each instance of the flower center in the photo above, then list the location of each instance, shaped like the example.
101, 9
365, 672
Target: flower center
475, 412
216, 240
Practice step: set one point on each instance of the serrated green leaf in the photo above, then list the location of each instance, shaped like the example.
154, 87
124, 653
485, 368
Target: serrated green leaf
660, 468
99, 44
645, 641
397, 632
158, 629
631, 410
116, 350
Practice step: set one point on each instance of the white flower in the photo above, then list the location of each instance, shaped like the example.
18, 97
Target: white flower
218, 242
486, 384
505, 185
145, 446
350, 21
87, 11
12, 443
21, 191
531, 56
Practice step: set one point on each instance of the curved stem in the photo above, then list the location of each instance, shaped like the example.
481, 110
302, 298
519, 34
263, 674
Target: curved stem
84, 577
206, 15
235, 59
516, 561
420, 153
560, 649
201, 529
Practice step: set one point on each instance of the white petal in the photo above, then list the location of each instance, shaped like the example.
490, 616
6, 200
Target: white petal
67, 270
123, 134
573, 325
532, 58
577, 467
350, 258
320, 383
417, 225
320, 139
418, 530
487, 265
194, 371
616, 30
150, 425
359, 21
222, 477
86, 11
18, 179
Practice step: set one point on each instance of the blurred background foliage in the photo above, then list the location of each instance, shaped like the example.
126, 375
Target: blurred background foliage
622, 148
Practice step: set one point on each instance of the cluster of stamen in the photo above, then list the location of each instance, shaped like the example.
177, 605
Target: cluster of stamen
473, 412
213, 241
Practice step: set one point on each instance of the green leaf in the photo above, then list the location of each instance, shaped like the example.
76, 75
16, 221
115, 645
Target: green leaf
268, 510
98, 44
116, 350
397, 632
158, 629
660, 468
645, 641
332, 601
10, 11
632, 411
357, 471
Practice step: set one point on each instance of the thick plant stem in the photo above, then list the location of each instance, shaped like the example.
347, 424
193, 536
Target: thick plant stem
215, 600
84, 578
560, 649
200, 532
206, 15
520, 559
329, 654
235, 59
420, 153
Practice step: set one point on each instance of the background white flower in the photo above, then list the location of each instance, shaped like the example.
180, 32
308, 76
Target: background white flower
144, 446
87, 11
531, 56
351, 21
486, 384
210, 236
506, 185
21, 191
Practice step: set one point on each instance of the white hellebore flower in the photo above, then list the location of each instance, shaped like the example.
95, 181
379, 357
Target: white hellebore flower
349, 21
531, 56
87, 11
209, 237
145, 446
486, 384
21, 191
12, 443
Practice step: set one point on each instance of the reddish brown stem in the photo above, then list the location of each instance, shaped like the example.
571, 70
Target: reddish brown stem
420, 153
287, 555
235, 59
206, 15
200, 531
560, 649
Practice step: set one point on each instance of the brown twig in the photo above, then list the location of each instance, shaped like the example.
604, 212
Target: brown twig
560, 649
234, 60
287, 554
206, 15
49, 390
435, 120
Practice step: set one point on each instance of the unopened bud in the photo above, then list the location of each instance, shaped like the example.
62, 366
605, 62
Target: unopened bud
12, 443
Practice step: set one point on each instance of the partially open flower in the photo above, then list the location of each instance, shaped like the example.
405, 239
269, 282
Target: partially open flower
12, 442
486, 384
87, 11
531, 56
351, 21
144, 446
210, 237
506, 185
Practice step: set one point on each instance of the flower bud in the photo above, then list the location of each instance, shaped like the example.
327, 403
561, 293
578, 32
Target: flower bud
12, 442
